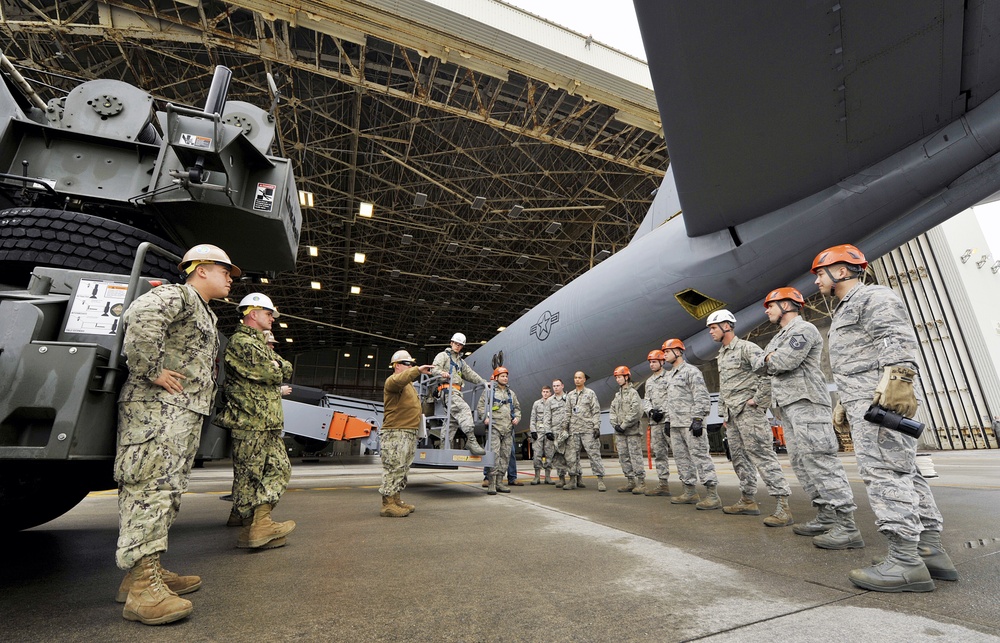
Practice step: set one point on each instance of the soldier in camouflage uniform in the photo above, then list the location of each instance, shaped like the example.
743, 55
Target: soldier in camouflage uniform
873, 352
792, 359
584, 433
743, 398
654, 405
688, 403
503, 415
254, 415
626, 411
543, 448
450, 366
398, 433
557, 425
171, 345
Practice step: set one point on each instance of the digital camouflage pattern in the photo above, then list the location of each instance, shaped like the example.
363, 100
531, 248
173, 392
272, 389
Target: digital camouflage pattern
626, 410
688, 398
254, 374
557, 421
542, 449
793, 360
504, 410
261, 470
584, 429
449, 363
749, 433
869, 331
169, 327
656, 398
396, 449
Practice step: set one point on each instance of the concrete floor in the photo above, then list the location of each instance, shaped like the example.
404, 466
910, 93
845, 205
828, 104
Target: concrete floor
538, 564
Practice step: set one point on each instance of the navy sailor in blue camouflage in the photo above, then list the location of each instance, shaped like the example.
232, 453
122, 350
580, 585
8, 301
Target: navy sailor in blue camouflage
171, 346
873, 352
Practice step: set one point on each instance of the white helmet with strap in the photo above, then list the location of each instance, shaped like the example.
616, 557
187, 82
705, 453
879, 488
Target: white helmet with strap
257, 301
458, 338
720, 316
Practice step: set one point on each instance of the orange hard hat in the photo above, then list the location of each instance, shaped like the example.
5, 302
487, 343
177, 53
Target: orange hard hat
654, 354
673, 343
623, 370
498, 371
845, 253
778, 294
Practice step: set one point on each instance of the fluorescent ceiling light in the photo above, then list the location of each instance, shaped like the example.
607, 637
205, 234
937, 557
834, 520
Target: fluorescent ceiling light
366, 209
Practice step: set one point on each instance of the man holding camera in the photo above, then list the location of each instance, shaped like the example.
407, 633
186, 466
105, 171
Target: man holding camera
873, 352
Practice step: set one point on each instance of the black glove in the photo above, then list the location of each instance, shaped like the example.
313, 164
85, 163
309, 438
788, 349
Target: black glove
696, 427
618, 428
666, 429
656, 415
597, 434
534, 435
550, 436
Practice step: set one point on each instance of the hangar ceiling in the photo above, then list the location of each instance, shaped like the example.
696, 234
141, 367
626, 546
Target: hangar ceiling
562, 176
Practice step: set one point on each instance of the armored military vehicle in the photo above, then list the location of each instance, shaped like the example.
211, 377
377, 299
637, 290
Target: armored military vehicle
100, 190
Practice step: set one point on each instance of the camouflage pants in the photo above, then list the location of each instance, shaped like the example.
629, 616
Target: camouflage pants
578, 442
261, 470
156, 447
691, 456
543, 448
503, 442
461, 414
899, 495
630, 455
660, 445
396, 449
812, 449
751, 448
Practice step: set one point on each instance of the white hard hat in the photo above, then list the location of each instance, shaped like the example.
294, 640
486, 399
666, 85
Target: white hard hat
458, 338
720, 316
257, 300
401, 356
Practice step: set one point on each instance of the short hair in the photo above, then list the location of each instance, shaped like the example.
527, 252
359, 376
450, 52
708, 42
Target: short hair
546, 388
558, 380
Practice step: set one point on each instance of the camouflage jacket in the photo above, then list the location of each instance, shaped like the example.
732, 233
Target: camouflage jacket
171, 327
537, 420
687, 395
557, 415
254, 374
626, 409
584, 411
448, 362
656, 395
869, 331
505, 408
794, 364
737, 381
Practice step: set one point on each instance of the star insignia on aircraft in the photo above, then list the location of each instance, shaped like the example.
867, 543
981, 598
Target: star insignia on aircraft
542, 329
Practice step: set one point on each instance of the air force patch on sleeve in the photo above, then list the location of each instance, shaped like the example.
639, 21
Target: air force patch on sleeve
797, 341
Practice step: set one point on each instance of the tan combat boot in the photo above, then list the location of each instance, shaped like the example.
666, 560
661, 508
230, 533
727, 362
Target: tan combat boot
745, 506
579, 481
661, 489
782, 516
391, 510
548, 476
689, 497
399, 502
538, 477
263, 530
562, 481
149, 600
640, 488
472, 444
711, 500
600, 484
175, 583
628, 486
903, 570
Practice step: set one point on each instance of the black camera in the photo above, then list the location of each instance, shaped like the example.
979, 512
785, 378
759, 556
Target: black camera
886, 418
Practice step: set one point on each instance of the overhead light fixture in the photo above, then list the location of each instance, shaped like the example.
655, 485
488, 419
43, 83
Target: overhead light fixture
352, 312
966, 255
386, 296
485, 252
602, 255
317, 309
289, 340
347, 354
395, 273
516, 211
305, 199
495, 288
355, 290
407, 239
553, 227
315, 285
419, 199
434, 278
313, 251
523, 259
366, 209
282, 325
478, 203
452, 247
264, 280
371, 357
359, 257
501, 329
556, 287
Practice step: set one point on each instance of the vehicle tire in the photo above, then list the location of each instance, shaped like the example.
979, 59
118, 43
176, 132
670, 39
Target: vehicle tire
35, 492
32, 237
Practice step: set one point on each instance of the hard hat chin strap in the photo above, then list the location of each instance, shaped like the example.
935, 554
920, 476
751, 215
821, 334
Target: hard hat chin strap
829, 274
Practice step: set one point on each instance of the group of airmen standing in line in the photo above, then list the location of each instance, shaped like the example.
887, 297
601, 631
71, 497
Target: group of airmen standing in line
873, 351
